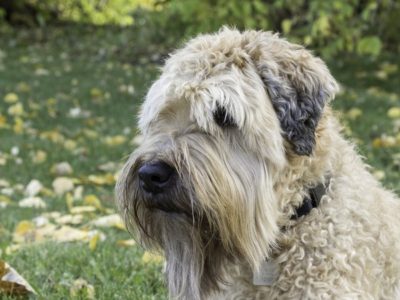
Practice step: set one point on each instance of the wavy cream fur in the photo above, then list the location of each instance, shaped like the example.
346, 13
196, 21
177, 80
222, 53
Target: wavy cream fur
240, 186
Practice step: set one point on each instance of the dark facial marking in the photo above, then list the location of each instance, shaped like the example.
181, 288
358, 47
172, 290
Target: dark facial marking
222, 118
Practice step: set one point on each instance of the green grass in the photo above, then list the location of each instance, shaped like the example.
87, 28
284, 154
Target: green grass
89, 68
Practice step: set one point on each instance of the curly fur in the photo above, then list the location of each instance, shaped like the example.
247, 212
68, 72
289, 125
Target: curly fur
237, 186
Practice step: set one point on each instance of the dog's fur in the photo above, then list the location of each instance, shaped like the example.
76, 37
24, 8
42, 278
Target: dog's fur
240, 178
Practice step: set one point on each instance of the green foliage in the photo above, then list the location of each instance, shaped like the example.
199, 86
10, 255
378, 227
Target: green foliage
358, 26
365, 27
83, 11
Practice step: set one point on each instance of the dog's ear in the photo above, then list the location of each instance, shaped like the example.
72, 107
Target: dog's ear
299, 85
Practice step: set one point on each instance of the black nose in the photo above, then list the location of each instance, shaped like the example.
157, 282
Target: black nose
155, 177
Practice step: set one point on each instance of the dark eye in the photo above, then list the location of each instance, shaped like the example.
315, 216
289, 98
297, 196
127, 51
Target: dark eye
222, 118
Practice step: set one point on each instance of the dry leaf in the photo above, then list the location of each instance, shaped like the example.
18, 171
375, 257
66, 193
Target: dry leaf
81, 289
61, 185
102, 179
33, 188
109, 221
39, 157
11, 283
92, 200
32, 202
152, 258
126, 243
69, 219
61, 169
16, 110
82, 209
11, 98
394, 112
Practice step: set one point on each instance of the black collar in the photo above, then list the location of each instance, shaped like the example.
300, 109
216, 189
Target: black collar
311, 201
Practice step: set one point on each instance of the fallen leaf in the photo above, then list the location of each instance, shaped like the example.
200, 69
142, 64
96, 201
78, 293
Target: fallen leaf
92, 200
11, 98
33, 188
82, 209
126, 243
12, 283
61, 169
69, 234
394, 112
69, 219
4, 201
62, 185
115, 140
16, 110
152, 258
107, 179
32, 202
354, 113
109, 221
39, 157
93, 241
81, 289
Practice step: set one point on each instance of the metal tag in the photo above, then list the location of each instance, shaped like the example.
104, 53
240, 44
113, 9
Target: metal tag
267, 274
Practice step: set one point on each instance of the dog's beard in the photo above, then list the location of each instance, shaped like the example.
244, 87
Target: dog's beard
176, 225
222, 209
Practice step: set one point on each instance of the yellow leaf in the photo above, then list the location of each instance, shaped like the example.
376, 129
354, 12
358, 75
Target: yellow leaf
394, 112
70, 145
69, 219
81, 289
61, 185
152, 258
69, 234
4, 201
16, 110
24, 232
354, 113
82, 209
115, 140
23, 87
384, 142
109, 221
53, 135
62, 168
32, 202
92, 200
18, 125
96, 93
102, 179
11, 98
93, 241
379, 174
126, 243
3, 121
39, 157
69, 200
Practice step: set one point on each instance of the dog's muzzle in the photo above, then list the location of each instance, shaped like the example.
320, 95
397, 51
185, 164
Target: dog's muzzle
155, 177
160, 188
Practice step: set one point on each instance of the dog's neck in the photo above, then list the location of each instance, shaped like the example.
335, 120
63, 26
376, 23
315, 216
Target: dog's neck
307, 175
312, 200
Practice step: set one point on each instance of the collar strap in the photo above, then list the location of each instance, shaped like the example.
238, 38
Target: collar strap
311, 201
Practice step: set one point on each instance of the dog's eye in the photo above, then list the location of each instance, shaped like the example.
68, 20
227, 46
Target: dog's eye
222, 118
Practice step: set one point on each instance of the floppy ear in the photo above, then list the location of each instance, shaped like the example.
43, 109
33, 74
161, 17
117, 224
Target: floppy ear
299, 85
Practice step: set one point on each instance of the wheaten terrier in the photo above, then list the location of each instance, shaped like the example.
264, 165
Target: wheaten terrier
247, 186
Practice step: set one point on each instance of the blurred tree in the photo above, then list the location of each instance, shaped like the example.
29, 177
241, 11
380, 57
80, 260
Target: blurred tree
332, 27
98, 12
337, 26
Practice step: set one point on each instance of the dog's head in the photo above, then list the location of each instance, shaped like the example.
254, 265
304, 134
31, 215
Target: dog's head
218, 125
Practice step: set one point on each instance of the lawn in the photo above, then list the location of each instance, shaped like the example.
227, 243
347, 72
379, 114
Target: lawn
68, 99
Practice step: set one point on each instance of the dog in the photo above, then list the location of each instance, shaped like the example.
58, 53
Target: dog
247, 186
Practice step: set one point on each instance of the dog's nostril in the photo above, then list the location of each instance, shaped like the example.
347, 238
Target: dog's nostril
154, 177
